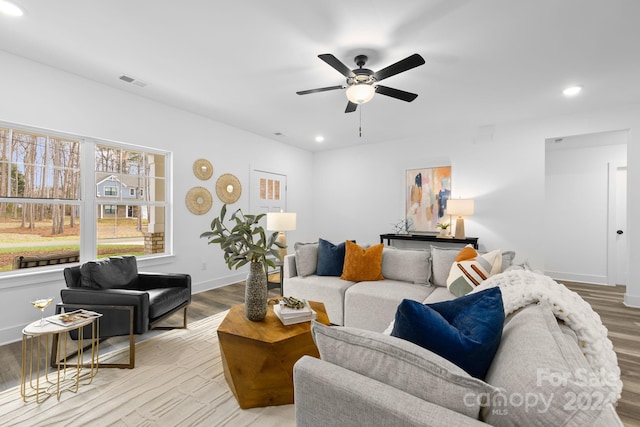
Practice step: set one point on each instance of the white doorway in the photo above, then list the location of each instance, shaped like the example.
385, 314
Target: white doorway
268, 192
580, 187
618, 260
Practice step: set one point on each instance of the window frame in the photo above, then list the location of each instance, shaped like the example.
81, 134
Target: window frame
88, 202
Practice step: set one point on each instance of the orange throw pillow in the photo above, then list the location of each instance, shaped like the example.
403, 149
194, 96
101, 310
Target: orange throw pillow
362, 264
466, 254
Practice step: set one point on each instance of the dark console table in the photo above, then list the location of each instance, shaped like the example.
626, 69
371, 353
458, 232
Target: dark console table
428, 238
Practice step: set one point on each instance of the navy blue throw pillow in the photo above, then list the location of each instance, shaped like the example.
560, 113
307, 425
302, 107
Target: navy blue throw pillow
330, 258
466, 331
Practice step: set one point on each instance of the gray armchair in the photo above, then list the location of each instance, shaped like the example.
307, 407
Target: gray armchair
131, 303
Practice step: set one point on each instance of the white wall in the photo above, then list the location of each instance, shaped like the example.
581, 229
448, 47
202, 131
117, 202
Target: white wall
359, 191
369, 182
576, 207
41, 96
352, 193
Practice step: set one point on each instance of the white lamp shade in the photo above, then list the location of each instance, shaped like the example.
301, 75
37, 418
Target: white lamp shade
281, 221
460, 207
360, 93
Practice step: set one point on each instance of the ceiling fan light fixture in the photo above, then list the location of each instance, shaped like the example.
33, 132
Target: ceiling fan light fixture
10, 9
360, 93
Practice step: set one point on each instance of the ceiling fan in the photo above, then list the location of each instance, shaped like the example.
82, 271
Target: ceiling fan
362, 82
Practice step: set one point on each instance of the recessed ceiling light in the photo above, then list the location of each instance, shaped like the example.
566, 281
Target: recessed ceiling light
319, 138
10, 9
572, 91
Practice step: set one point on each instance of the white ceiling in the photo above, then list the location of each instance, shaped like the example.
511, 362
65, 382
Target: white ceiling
487, 61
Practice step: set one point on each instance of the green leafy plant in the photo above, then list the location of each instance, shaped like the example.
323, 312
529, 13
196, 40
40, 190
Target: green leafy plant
245, 242
444, 226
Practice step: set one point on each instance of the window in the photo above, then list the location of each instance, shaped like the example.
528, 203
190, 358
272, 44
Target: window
39, 195
140, 221
41, 210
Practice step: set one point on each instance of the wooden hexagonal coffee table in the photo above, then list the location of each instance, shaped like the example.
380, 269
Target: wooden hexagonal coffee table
258, 357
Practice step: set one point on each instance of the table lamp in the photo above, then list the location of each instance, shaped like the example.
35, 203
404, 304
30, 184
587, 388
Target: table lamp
281, 222
460, 208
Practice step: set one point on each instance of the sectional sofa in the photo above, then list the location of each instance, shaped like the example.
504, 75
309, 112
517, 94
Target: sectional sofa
373, 379
541, 374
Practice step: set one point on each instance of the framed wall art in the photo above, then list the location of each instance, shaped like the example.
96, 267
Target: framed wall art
427, 192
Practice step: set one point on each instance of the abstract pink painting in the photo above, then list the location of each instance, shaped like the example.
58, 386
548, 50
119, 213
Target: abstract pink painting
427, 192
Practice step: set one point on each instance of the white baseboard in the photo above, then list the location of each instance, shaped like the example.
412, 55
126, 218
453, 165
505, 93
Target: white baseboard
575, 277
631, 300
11, 334
218, 283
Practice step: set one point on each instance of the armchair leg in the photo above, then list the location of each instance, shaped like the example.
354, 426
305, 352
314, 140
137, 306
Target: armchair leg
184, 325
55, 361
164, 328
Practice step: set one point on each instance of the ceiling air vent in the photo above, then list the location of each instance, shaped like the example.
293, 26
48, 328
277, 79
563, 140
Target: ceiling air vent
135, 81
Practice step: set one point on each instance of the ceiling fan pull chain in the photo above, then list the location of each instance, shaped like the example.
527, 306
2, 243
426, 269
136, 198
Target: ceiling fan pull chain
360, 128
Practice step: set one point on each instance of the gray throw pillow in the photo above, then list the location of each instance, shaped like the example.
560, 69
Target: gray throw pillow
402, 365
507, 260
406, 265
109, 273
441, 261
306, 258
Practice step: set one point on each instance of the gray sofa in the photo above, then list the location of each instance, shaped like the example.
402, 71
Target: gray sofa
419, 275
373, 379
367, 377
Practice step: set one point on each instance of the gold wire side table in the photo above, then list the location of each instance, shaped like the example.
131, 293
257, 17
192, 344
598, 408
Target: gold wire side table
64, 375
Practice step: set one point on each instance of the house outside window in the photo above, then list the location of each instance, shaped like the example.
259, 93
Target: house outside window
41, 209
128, 169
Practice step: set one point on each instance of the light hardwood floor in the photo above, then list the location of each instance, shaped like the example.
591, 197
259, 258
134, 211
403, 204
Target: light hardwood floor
622, 322
203, 305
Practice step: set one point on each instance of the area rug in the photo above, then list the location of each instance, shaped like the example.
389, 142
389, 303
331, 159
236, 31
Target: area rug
178, 381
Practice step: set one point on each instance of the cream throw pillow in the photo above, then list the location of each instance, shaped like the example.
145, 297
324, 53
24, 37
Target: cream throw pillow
471, 269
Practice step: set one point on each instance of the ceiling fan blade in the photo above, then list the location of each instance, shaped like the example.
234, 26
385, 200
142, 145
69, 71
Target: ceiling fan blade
396, 93
351, 107
407, 63
336, 64
320, 89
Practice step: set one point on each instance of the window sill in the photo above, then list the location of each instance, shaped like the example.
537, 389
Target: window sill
42, 275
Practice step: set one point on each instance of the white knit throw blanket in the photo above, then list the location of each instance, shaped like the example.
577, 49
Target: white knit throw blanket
522, 287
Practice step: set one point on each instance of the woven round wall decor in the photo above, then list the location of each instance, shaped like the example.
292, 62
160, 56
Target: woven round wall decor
202, 169
228, 188
198, 200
